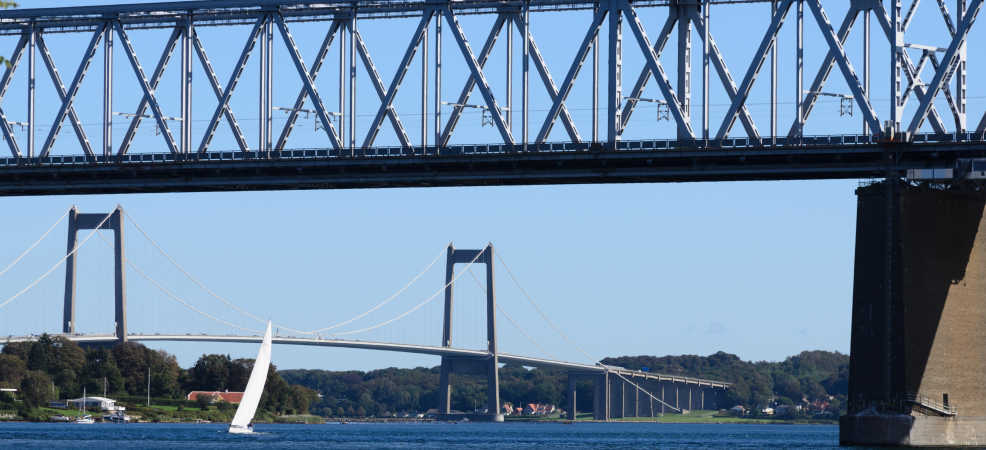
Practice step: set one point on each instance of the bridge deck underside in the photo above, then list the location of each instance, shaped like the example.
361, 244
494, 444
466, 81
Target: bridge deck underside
586, 369
471, 166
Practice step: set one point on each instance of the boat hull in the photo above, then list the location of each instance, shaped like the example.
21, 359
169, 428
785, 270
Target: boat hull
240, 430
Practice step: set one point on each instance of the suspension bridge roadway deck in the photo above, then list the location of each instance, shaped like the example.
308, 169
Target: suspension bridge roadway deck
826, 157
386, 346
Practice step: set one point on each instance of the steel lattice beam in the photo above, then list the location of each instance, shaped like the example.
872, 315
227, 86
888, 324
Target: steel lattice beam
677, 22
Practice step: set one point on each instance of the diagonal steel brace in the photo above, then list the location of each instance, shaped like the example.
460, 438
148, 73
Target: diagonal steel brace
162, 64
69, 95
323, 51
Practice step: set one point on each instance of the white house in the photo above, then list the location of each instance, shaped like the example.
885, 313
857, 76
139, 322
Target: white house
102, 403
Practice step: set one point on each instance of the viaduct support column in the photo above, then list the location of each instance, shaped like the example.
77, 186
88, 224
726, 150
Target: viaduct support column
691, 405
663, 386
918, 341
571, 396
601, 397
634, 401
445, 387
617, 410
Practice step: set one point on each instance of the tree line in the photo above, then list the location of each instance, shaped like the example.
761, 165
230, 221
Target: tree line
54, 367
808, 376
57, 368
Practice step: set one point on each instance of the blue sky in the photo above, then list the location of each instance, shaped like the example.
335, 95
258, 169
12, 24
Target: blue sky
760, 269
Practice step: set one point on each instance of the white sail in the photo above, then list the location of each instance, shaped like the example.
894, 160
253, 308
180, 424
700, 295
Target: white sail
254, 388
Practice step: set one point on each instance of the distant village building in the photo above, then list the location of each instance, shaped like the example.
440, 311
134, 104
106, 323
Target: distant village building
215, 396
101, 403
539, 409
737, 410
508, 408
786, 411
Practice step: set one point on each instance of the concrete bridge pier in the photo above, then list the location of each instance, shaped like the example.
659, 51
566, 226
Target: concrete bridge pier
677, 391
601, 397
691, 404
617, 398
634, 397
571, 413
918, 351
648, 402
662, 386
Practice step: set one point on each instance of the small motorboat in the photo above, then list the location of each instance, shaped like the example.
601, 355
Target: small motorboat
117, 417
86, 419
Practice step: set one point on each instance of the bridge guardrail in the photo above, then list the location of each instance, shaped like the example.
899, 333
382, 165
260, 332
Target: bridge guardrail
481, 149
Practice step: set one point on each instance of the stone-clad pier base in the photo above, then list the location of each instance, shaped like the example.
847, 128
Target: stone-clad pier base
917, 370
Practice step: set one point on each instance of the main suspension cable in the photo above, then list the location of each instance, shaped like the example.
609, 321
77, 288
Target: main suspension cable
511, 320
382, 303
60, 261
35, 244
190, 276
419, 305
540, 312
261, 320
178, 299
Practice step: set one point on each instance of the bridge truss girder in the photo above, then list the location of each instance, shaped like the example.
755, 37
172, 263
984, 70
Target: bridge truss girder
103, 23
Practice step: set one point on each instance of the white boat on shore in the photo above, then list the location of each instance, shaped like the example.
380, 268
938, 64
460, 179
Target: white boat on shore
243, 419
117, 417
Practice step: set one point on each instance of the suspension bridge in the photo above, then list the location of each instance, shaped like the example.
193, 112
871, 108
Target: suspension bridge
619, 392
347, 148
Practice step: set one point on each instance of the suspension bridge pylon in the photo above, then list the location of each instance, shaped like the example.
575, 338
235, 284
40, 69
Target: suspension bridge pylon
112, 221
488, 365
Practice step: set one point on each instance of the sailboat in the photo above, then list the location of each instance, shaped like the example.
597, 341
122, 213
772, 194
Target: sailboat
84, 418
254, 389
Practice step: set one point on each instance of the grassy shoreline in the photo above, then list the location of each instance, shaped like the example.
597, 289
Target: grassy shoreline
170, 413
697, 417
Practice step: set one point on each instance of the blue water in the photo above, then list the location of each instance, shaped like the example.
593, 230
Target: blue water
417, 435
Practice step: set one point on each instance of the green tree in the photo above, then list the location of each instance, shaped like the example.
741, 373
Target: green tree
12, 371
165, 374
100, 368
36, 388
788, 386
211, 372
18, 349
203, 401
67, 355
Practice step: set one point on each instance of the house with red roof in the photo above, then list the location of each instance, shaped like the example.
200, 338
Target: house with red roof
226, 396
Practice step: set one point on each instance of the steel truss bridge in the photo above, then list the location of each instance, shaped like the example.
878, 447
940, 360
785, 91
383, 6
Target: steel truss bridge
934, 133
